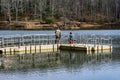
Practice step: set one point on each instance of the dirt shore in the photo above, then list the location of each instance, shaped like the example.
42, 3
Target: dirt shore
72, 25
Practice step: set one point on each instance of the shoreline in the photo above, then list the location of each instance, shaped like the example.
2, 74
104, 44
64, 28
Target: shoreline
21, 25
54, 29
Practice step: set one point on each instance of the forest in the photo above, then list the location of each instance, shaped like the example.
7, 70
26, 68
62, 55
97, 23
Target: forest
49, 11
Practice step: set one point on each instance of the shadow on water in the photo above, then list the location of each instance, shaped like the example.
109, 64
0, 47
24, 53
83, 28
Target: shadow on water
54, 60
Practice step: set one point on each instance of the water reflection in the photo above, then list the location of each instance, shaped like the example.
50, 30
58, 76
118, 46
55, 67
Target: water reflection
47, 60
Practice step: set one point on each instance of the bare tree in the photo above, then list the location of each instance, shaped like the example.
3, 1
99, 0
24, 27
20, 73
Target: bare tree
7, 7
82, 10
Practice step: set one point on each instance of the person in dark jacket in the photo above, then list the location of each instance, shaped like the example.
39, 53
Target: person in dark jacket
70, 37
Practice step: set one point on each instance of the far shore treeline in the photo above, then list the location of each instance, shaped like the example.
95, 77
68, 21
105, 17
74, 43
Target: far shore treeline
70, 14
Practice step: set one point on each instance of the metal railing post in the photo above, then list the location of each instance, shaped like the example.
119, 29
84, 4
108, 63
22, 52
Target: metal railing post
3, 42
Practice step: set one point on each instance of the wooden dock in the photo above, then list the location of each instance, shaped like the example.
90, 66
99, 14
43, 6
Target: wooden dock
29, 49
88, 48
85, 47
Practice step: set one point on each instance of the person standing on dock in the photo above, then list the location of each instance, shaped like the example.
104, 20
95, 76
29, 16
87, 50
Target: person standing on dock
57, 35
71, 40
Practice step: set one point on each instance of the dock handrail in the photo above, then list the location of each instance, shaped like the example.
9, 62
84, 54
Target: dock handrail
22, 40
35, 39
94, 39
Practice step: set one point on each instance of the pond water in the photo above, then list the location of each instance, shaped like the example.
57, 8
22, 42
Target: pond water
63, 65
101, 32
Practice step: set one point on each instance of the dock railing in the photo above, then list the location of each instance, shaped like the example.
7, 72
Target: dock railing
46, 39
24, 40
94, 39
